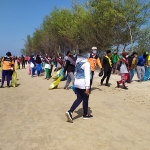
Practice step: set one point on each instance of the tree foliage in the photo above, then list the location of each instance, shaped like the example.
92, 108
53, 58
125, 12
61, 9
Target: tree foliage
107, 24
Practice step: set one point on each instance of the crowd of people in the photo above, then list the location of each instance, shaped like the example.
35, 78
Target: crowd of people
79, 69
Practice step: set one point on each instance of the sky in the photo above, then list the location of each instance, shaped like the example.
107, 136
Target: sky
18, 18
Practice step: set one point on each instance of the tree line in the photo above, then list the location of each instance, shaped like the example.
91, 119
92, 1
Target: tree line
107, 24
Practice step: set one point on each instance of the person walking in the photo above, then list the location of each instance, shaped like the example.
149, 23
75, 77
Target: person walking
107, 66
123, 70
114, 62
132, 62
93, 60
82, 85
47, 67
6, 70
70, 68
18, 62
23, 62
32, 65
141, 66
38, 62
26, 60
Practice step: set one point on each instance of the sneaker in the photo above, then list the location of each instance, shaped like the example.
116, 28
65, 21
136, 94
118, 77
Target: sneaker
107, 84
101, 82
118, 85
87, 117
125, 88
1, 86
69, 116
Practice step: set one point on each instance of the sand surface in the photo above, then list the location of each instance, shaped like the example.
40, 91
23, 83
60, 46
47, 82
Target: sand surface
33, 117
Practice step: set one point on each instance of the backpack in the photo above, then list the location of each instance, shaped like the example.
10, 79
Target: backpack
130, 59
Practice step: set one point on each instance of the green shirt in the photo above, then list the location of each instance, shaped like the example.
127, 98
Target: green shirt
114, 58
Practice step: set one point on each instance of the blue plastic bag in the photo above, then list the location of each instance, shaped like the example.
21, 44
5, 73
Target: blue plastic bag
73, 88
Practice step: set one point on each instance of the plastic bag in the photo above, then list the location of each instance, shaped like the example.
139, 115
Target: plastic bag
55, 83
14, 79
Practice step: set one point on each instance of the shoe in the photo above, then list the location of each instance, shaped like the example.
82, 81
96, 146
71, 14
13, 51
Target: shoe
1, 86
118, 85
125, 88
107, 85
69, 116
87, 116
101, 82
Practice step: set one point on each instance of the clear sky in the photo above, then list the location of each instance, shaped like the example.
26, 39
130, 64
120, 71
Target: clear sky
20, 17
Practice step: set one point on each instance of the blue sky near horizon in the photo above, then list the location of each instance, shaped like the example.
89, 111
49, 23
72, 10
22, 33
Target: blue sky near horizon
18, 18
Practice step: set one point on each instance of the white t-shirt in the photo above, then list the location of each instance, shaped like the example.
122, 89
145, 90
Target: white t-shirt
123, 68
47, 66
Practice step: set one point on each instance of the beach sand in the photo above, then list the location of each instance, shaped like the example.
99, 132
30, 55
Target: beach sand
33, 117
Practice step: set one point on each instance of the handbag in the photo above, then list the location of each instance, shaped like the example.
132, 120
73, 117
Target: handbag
101, 73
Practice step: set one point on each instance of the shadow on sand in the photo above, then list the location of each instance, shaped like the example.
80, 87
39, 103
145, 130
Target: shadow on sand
80, 113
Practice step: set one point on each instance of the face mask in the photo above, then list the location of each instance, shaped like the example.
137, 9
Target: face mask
94, 51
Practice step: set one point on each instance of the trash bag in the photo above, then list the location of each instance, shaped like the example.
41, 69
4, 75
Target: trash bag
73, 88
14, 79
55, 83
17, 66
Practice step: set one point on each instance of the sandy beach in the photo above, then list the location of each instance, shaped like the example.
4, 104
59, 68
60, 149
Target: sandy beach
33, 117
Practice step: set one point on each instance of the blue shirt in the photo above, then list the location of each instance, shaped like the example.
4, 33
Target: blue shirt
141, 61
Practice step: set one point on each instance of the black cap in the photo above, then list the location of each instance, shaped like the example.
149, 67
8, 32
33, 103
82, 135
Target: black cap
8, 54
108, 51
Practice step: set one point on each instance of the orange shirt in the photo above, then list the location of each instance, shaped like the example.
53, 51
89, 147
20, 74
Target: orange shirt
93, 62
7, 63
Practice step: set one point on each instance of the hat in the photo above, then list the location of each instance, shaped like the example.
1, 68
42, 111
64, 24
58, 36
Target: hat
8, 54
94, 48
108, 51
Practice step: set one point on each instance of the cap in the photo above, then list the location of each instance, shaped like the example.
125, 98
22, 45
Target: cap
94, 48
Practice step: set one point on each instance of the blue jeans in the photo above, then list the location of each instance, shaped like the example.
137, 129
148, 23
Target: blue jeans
81, 96
132, 73
39, 68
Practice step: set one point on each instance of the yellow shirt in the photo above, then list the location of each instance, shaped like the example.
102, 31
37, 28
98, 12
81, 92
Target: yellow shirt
149, 60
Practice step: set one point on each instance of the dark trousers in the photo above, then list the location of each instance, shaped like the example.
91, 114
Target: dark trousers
23, 65
106, 75
51, 71
91, 80
7, 74
26, 62
81, 96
